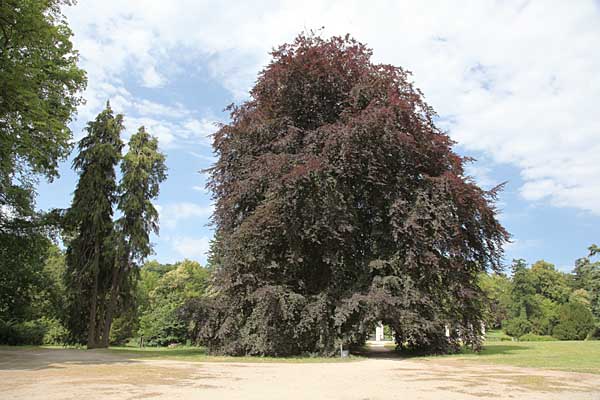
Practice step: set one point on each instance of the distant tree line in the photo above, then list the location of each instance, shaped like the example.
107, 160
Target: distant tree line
541, 301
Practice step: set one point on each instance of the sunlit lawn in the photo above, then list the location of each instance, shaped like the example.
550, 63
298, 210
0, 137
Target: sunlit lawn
576, 356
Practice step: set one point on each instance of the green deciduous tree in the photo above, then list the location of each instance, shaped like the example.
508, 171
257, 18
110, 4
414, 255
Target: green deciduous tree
39, 85
549, 282
587, 277
497, 289
163, 320
22, 256
340, 203
536, 296
575, 322
90, 255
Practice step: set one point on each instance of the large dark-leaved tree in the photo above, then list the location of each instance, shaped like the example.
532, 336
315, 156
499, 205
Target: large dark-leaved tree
339, 203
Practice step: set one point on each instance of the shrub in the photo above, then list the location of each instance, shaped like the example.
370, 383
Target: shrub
530, 337
6, 332
576, 322
162, 325
55, 333
36, 332
29, 332
517, 327
596, 332
124, 328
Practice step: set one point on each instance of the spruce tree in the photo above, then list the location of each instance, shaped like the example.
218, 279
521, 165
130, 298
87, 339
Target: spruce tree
90, 218
143, 169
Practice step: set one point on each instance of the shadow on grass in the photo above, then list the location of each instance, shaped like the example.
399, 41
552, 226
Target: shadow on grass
500, 349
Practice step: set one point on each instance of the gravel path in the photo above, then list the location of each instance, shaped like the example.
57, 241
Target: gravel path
85, 375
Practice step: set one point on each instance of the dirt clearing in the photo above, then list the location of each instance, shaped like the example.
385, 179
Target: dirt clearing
84, 375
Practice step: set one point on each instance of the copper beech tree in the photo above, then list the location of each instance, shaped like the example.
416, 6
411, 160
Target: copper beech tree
339, 203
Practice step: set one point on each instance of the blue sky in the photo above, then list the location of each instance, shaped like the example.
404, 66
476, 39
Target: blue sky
515, 83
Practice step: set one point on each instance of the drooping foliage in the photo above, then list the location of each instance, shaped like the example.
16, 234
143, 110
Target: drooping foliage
143, 170
90, 255
340, 203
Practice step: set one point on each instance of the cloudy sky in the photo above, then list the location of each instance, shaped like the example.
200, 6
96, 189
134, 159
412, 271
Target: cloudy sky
515, 83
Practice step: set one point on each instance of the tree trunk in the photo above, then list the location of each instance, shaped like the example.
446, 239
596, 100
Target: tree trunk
92, 338
114, 295
117, 277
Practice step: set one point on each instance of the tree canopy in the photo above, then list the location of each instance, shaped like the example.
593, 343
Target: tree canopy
39, 92
40, 84
339, 202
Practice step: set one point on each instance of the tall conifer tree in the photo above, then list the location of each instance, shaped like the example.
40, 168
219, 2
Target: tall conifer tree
89, 259
143, 170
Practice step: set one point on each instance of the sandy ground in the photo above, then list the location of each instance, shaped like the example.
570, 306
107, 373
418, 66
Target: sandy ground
86, 375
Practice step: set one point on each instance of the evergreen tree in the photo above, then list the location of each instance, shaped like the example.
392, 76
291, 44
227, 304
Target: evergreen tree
89, 254
587, 277
143, 169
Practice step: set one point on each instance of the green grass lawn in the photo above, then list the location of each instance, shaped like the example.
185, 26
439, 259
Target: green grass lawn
561, 355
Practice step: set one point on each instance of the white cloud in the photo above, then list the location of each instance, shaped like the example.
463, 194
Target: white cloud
151, 78
201, 129
482, 174
170, 214
193, 248
516, 80
163, 130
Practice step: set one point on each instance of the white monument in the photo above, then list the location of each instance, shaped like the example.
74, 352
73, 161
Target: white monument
379, 336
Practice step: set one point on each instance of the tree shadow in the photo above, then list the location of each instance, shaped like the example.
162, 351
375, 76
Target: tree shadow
28, 358
390, 353
376, 352
502, 349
